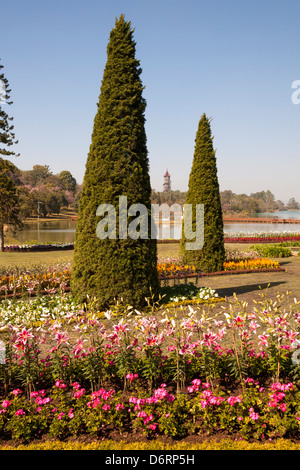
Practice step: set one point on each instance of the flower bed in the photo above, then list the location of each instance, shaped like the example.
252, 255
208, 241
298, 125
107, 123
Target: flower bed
70, 410
179, 375
172, 269
266, 238
40, 280
46, 247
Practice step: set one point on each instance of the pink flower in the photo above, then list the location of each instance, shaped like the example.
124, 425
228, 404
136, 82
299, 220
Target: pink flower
152, 427
263, 340
233, 400
120, 406
42, 401
206, 385
209, 339
61, 338
253, 325
131, 377
60, 384
105, 407
24, 335
76, 385
60, 415
79, 348
79, 393
17, 391
71, 414
6, 403
132, 400
20, 412
253, 415
291, 335
282, 406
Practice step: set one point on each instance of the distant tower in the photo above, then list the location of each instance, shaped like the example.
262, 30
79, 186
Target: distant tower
167, 182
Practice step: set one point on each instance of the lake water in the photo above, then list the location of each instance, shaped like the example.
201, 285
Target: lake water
63, 231
248, 229
280, 214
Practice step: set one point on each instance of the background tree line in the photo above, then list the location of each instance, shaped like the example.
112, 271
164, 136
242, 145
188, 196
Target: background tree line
233, 204
42, 192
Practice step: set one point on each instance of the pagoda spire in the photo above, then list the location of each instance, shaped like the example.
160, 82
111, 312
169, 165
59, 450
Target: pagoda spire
167, 182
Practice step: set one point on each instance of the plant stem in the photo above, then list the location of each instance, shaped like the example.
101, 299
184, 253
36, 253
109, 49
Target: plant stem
238, 362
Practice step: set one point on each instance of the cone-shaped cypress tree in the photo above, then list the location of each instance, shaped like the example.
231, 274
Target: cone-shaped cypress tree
204, 189
117, 165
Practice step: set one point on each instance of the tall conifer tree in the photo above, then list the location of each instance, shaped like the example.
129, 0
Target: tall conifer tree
204, 189
117, 165
9, 194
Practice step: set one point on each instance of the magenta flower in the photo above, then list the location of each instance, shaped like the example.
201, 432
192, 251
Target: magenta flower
132, 377
120, 406
233, 400
79, 393
60, 384
6, 403
152, 427
20, 412
282, 406
253, 415
79, 348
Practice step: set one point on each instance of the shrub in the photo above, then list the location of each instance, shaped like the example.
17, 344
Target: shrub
272, 251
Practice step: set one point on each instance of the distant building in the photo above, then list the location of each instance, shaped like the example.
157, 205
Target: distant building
167, 182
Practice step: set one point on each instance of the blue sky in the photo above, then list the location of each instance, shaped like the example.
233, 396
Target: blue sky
234, 60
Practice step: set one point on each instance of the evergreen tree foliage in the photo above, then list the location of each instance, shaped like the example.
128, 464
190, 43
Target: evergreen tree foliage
9, 195
204, 189
117, 165
9, 199
7, 136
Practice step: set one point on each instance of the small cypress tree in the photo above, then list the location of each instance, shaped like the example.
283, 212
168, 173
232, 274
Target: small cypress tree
204, 189
117, 165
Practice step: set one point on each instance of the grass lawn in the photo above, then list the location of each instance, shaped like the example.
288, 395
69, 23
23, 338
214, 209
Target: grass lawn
9, 260
28, 259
